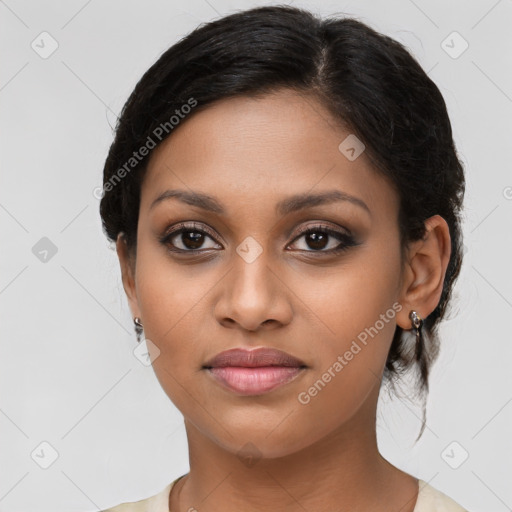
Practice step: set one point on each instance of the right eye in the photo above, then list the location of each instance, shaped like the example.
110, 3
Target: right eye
188, 238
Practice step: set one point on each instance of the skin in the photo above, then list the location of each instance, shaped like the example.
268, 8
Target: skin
251, 153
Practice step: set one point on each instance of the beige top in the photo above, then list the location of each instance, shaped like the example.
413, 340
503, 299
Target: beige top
429, 500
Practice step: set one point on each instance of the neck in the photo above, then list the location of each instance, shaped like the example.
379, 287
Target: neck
342, 471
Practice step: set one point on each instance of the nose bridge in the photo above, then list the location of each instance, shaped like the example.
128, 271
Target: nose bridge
252, 279
252, 293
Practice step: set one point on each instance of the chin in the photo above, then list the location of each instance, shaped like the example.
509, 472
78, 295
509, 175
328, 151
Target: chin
270, 441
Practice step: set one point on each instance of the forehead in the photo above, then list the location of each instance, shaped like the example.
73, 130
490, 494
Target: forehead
253, 150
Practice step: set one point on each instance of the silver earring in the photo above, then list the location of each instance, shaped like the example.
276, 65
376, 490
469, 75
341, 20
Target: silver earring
138, 328
417, 323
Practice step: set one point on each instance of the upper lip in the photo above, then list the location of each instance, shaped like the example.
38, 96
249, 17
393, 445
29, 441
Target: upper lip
253, 358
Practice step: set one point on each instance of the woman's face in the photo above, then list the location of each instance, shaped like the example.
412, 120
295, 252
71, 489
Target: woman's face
243, 274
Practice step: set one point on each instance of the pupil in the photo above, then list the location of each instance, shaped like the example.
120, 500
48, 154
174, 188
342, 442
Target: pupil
192, 240
316, 240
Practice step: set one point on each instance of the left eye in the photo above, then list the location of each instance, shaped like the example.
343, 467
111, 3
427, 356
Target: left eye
325, 240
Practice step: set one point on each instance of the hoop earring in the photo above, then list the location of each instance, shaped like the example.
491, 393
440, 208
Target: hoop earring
138, 328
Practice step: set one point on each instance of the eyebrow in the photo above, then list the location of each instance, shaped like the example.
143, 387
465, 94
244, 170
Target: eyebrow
283, 207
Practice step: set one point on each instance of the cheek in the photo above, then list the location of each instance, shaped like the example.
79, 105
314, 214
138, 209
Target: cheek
174, 316
346, 302
353, 324
350, 359
168, 293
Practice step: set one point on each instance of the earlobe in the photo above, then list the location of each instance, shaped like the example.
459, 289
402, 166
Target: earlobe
127, 273
426, 269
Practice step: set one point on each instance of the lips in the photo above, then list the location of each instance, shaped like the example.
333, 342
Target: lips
255, 358
254, 372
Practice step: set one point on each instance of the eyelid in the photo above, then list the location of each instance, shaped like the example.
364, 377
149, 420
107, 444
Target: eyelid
190, 226
322, 225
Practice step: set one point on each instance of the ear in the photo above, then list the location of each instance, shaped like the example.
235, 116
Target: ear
128, 273
424, 272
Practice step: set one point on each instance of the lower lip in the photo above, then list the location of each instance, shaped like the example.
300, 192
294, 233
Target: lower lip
254, 381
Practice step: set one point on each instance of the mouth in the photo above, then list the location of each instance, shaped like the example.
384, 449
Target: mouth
254, 372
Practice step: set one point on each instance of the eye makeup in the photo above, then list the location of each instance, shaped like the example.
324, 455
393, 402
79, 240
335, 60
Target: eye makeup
318, 234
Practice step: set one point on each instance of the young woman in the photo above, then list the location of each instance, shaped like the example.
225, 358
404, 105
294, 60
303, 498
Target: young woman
285, 195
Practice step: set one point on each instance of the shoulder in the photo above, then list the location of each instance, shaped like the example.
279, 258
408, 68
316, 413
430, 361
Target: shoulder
432, 500
157, 503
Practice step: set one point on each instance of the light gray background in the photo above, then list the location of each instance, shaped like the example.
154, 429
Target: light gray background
68, 374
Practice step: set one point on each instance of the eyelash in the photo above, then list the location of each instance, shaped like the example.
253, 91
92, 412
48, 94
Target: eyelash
346, 240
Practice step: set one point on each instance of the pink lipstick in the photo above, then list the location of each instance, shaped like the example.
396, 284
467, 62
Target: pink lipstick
254, 372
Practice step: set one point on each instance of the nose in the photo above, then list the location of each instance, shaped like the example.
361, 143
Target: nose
253, 297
